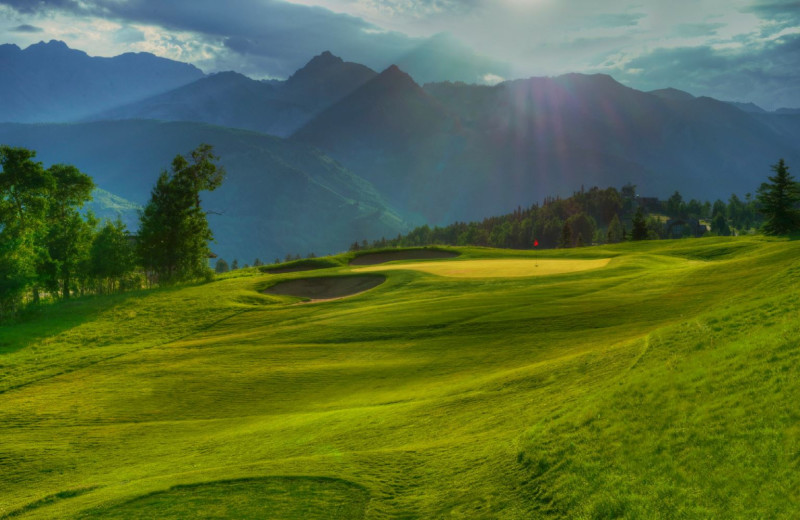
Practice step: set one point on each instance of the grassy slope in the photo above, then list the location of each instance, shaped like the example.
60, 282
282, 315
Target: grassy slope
662, 386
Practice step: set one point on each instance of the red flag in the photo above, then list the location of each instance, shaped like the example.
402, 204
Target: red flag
535, 243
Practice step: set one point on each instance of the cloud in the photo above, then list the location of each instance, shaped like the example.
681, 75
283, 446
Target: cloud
615, 19
26, 28
492, 79
417, 8
694, 30
251, 34
129, 35
738, 50
765, 72
35, 6
787, 11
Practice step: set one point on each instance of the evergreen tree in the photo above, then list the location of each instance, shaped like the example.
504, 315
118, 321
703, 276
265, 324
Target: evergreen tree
778, 201
615, 233
566, 236
174, 233
639, 231
628, 198
719, 207
222, 266
582, 228
719, 225
257, 263
235, 265
655, 228
675, 206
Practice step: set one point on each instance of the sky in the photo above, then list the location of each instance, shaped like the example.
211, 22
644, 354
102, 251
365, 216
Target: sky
738, 50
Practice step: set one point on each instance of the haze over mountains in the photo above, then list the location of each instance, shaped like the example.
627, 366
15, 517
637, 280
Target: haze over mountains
279, 196
53, 83
273, 107
361, 154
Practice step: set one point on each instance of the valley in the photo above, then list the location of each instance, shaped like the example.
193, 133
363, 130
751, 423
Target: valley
656, 384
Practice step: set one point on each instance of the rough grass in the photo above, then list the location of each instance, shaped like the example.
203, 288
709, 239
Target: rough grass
664, 385
381, 257
496, 268
272, 497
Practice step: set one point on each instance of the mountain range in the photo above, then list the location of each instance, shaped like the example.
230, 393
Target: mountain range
400, 153
279, 196
452, 151
231, 99
49, 82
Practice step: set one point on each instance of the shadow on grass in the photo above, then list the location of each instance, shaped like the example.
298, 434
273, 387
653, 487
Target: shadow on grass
39, 321
284, 497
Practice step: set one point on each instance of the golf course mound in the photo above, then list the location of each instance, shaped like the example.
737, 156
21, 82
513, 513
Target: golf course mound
391, 256
498, 268
300, 265
326, 288
271, 497
295, 269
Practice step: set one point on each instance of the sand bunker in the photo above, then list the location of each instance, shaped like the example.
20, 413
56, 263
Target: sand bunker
499, 268
326, 288
391, 256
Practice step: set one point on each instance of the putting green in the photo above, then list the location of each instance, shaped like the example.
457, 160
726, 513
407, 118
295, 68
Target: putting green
496, 268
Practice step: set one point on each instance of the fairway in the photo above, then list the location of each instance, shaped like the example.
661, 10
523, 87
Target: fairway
495, 268
662, 383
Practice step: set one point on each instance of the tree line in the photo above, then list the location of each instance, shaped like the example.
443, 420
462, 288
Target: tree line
51, 247
607, 216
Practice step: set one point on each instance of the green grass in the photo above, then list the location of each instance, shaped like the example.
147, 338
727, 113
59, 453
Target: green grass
664, 385
271, 497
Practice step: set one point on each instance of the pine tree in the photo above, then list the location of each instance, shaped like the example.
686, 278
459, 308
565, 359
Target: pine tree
639, 231
719, 225
779, 201
222, 266
174, 233
566, 236
615, 232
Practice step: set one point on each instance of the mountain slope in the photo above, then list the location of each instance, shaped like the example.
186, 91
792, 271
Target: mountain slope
323, 81
231, 99
392, 131
225, 99
107, 206
279, 197
49, 82
459, 152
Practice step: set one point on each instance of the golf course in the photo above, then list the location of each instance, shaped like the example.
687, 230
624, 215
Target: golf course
652, 379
